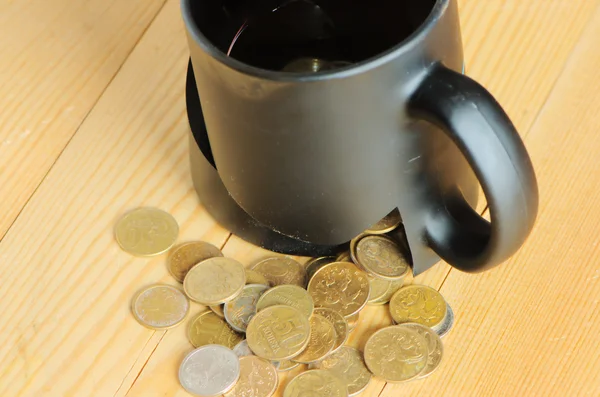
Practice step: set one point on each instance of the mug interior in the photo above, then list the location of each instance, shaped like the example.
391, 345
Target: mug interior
282, 34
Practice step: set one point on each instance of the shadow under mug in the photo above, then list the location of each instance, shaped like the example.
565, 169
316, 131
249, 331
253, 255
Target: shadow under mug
320, 156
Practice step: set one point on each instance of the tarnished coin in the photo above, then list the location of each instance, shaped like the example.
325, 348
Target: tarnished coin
218, 310
278, 333
258, 378
322, 340
242, 349
382, 290
381, 256
348, 365
340, 286
316, 383
209, 371
215, 281
146, 231
387, 224
160, 306
280, 270
285, 365
353, 321
447, 323
418, 304
240, 310
254, 277
187, 255
340, 325
396, 354
209, 329
344, 257
316, 263
434, 346
289, 295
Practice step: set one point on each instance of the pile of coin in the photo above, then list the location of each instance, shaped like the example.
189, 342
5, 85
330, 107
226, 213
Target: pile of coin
278, 314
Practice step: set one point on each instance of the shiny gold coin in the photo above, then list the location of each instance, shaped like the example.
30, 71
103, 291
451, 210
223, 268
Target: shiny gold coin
353, 321
146, 232
316, 383
187, 255
160, 307
396, 354
387, 224
340, 325
286, 365
258, 378
254, 277
322, 340
434, 345
381, 256
215, 281
242, 308
218, 310
316, 263
278, 333
348, 365
340, 286
344, 257
382, 290
209, 329
418, 304
289, 295
280, 270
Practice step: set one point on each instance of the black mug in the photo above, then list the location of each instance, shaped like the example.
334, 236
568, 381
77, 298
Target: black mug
330, 113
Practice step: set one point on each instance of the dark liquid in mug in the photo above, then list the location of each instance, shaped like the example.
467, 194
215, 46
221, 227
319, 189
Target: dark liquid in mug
310, 35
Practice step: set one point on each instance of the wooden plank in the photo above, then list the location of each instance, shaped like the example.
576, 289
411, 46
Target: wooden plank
65, 324
60, 57
530, 327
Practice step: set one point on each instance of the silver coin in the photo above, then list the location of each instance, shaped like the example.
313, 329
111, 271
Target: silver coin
210, 370
448, 322
242, 349
239, 311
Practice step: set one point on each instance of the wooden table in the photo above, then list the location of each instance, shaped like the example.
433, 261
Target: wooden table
93, 124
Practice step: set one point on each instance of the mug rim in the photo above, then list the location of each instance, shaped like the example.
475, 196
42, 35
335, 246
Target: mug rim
363, 66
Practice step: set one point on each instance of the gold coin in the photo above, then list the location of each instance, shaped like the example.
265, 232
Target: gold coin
387, 224
353, 321
146, 232
289, 295
322, 340
316, 263
396, 354
286, 365
278, 333
418, 304
214, 281
281, 270
382, 290
381, 256
258, 378
209, 329
218, 310
340, 286
242, 308
348, 365
187, 255
344, 257
160, 306
434, 345
340, 325
316, 383
254, 277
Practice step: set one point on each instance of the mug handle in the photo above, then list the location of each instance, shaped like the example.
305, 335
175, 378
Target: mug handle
487, 138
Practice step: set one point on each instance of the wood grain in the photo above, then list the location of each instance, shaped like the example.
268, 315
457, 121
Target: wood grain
56, 59
65, 327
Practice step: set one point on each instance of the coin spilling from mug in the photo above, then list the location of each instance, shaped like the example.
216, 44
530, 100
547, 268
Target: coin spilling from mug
278, 315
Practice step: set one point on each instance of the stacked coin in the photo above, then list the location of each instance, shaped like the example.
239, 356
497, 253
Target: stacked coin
279, 314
